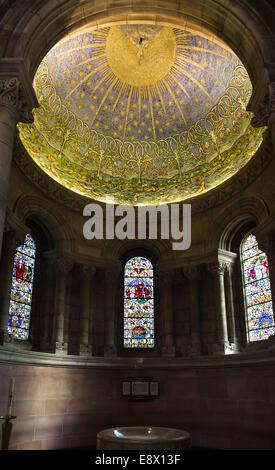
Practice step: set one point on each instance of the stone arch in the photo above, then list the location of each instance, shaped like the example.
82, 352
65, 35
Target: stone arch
118, 247
58, 230
248, 212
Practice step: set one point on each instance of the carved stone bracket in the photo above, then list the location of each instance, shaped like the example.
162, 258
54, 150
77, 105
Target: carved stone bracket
261, 116
16, 90
262, 102
12, 97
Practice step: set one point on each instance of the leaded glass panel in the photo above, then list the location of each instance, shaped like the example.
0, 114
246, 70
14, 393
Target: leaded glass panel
21, 290
257, 291
138, 303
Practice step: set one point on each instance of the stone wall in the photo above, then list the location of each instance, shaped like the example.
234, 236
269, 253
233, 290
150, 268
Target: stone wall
223, 407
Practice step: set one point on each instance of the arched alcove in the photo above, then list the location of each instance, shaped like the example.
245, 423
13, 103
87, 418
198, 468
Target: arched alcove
66, 394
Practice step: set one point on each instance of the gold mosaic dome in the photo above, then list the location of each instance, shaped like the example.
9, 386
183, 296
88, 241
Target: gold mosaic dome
142, 114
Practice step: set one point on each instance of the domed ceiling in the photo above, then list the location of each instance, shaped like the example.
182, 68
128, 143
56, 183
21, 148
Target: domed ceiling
144, 114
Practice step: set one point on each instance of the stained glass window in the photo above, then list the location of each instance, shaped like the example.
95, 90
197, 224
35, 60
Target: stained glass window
257, 291
21, 291
138, 303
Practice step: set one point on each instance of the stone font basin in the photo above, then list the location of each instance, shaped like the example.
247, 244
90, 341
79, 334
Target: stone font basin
142, 437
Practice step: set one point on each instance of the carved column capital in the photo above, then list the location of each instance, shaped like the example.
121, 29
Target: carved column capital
165, 277
111, 274
191, 272
229, 267
178, 277
88, 271
63, 265
218, 267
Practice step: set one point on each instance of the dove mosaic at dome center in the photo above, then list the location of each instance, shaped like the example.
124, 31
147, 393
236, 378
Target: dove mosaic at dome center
144, 114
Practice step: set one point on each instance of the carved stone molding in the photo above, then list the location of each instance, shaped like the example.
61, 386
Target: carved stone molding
213, 198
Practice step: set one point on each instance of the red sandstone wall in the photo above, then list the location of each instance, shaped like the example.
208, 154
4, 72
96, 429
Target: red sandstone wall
225, 407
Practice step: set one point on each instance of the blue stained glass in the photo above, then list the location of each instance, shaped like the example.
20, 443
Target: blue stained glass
21, 291
138, 303
257, 291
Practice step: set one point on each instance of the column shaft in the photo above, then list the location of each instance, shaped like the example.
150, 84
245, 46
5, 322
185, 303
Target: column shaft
85, 347
62, 271
230, 307
192, 274
168, 344
109, 322
17, 98
7, 132
10, 243
222, 344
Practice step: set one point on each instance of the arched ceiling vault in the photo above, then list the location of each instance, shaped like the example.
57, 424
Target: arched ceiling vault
241, 27
141, 114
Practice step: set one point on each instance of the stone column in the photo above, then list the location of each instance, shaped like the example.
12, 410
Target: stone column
179, 303
218, 269
111, 277
46, 305
192, 274
233, 338
75, 308
167, 315
17, 99
11, 241
92, 313
85, 347
63, 267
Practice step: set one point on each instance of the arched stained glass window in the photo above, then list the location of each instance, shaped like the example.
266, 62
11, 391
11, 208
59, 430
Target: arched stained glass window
22, 288
257, 291
139, 303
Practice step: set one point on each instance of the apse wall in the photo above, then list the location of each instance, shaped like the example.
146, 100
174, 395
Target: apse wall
223, 406
226, 401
